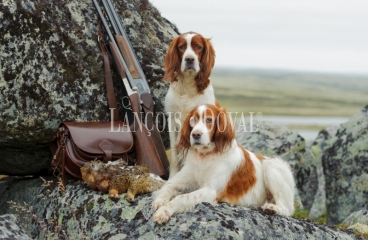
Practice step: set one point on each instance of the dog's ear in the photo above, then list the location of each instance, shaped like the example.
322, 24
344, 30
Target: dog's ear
172, 61
184, 141
225, 132
207, 62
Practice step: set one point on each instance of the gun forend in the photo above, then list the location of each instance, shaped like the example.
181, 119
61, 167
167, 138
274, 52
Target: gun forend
118, 64
128, 56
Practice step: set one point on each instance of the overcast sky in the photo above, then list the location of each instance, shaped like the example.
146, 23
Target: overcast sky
312, 35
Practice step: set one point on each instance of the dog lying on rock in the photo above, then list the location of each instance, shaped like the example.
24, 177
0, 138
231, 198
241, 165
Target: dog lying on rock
217, 169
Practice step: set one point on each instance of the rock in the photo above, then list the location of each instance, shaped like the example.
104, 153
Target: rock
358, 221
272, 139
9, 228
345, 166
51, 70
322, 142
360, 216
83, 213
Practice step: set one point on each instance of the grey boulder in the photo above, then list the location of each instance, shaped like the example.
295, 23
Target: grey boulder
52, 71
345, 166
10, 229
360, 216
81, 213
358, 221
319, 145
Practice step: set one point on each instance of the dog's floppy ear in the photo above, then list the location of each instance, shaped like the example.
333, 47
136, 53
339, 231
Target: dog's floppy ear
184, 141
225, 132
207, 62
172, 61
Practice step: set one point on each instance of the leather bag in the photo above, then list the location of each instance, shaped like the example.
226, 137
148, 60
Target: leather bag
76, 143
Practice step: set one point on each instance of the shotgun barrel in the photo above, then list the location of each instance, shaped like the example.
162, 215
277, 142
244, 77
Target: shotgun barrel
137, 77
128, 67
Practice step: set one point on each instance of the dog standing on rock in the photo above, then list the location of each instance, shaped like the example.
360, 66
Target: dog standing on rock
188, 65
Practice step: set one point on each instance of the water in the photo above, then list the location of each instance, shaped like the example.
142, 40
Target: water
308, 135
309, 121
295, 121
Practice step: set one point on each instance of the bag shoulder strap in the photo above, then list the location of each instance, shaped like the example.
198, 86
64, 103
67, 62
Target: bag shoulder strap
108, 79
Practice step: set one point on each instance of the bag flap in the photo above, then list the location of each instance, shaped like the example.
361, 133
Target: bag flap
90, 136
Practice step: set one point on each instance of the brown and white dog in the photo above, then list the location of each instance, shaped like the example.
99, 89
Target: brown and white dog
217, 169
188, 65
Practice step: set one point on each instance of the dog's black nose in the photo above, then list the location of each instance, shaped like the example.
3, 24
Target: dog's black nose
196, 135
189, 59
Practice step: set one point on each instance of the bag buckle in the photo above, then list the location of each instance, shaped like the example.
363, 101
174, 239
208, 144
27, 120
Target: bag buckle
106, 146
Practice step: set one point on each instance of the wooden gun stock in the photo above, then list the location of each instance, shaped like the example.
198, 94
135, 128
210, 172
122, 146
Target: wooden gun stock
145, 149
156, 136
128, 57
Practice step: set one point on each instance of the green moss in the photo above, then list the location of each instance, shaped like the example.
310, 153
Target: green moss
322, 219
300, 213
303, 214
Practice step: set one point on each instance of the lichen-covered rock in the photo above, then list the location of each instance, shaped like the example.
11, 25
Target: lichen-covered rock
357, 217
358, 221
10, 229
322, 142
51, 71
82, 213
345, 166
272, 139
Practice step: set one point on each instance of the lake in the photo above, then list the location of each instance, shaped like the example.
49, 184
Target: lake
295, 121
303, 122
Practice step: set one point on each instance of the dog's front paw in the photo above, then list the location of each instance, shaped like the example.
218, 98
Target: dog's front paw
159, 202
161, 216
270, 208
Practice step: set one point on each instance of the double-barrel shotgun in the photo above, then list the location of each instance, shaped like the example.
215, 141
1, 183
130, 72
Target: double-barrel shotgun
148, 144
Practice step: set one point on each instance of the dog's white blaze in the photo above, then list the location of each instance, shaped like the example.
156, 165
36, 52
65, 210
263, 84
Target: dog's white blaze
201, 127
189, 52
201, 110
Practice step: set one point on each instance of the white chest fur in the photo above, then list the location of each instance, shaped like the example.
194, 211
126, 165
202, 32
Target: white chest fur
183, 96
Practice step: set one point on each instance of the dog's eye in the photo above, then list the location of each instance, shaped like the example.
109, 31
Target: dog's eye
208, 120
192, 121
197, 47
182, 47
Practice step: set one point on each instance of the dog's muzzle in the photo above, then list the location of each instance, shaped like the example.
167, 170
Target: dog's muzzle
197, 138
189, 63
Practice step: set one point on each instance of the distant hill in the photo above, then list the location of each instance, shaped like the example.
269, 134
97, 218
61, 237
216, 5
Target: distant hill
290, 93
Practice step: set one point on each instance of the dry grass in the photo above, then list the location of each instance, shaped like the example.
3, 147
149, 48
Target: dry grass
306, 127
